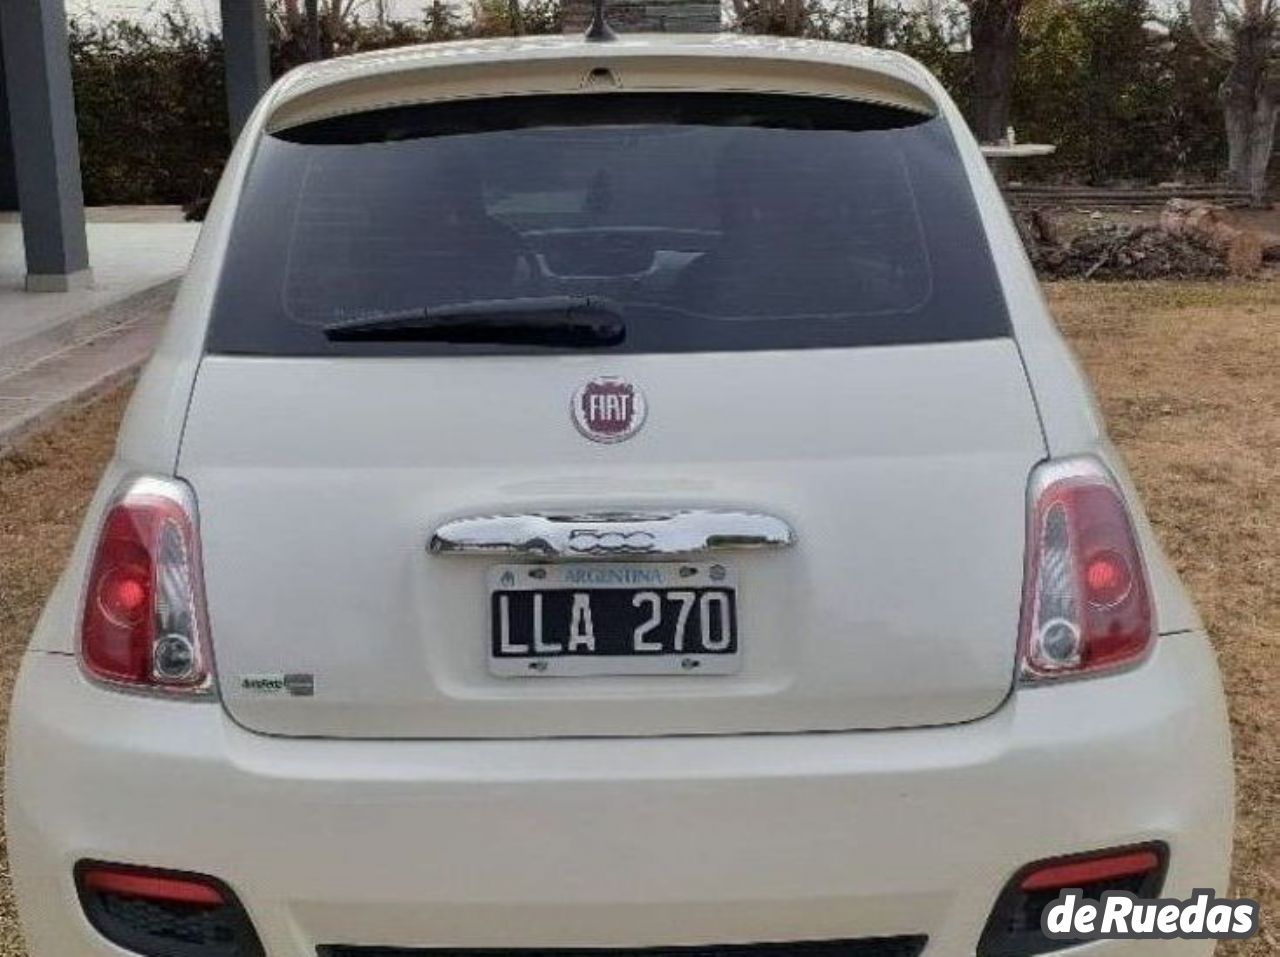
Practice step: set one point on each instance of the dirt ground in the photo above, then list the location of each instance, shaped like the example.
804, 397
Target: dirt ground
1189, 378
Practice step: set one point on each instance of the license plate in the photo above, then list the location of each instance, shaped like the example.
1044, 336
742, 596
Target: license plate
613, 619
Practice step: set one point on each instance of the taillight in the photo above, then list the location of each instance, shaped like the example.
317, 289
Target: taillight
163, 913
144, 623
1086, 603
1013, 929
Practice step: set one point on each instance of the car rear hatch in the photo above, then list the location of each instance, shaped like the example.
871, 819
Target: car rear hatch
814, 339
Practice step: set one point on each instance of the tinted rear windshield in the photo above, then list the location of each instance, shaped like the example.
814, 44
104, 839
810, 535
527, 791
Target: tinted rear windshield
707, 222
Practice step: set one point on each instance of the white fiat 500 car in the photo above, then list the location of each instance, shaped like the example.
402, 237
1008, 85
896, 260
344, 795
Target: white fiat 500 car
616, 497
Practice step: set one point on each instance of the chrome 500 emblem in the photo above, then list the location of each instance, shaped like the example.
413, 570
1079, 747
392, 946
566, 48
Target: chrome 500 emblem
591, 542
609, 409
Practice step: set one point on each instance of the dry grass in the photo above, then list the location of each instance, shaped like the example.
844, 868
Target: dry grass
44, 489
1189, 377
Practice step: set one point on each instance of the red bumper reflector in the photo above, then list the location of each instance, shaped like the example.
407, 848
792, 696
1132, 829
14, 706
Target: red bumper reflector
151, 886
1077, 873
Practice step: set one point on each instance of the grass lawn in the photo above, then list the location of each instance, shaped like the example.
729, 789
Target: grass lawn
1189, 378
1188, 375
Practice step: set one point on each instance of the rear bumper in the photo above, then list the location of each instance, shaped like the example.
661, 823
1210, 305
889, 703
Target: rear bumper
620, 843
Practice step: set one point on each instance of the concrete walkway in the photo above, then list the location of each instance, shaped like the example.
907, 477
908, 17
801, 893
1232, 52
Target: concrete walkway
57, 349
130, 249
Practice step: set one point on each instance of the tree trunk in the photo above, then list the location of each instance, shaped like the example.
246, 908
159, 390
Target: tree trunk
994, 33
876, 25
313, 29
1250, 97
1261, 145
1243, 248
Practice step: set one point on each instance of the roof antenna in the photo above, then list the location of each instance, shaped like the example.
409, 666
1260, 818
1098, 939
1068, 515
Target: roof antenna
600, 31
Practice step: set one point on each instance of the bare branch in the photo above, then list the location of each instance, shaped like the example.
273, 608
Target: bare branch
1206, 18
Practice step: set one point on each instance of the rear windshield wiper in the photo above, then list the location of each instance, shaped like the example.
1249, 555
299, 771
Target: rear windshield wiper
575, 321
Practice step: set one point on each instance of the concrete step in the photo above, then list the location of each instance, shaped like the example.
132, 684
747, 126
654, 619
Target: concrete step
18, 355
78, 361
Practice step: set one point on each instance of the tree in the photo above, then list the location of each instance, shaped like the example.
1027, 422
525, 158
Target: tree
788, 18
313, 28
994, 34
1246, 33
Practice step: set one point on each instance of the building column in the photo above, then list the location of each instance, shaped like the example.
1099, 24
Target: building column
8, 177
247, 56
42, 116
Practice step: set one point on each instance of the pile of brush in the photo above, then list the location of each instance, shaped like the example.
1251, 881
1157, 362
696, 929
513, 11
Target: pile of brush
1190, 241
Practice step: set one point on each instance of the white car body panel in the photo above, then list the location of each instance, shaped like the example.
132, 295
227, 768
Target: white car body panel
338, 470
575, 843
534, 65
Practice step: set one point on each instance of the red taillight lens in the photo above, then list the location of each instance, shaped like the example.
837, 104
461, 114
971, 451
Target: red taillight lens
1013, 929
1087, 605
125, 593
144, 615
1079, 872
151, 885
163, 913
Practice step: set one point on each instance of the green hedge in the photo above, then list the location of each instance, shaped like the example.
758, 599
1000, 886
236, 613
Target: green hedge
151, 108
